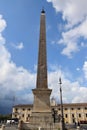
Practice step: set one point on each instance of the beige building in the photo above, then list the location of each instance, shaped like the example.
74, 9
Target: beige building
75, 112
72, 112
22, 112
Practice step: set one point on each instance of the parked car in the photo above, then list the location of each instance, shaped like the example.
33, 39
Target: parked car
12, 121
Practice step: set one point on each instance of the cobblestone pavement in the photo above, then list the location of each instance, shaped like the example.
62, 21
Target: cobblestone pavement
10, 128
73, 127
14, 127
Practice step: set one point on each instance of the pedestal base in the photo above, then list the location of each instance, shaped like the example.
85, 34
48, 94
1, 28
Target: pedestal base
41, 100
41, 119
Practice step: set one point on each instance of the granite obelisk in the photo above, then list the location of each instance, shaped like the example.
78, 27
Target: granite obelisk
41, 107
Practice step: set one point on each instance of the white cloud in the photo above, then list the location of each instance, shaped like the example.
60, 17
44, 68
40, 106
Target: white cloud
2, 27
18, 46
85, 69
83, 44
53, 42
14, 79
75, 13
78, 69
71, 37
2, 24
72, 91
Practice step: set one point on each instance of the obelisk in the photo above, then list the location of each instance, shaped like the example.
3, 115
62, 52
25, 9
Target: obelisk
41, 107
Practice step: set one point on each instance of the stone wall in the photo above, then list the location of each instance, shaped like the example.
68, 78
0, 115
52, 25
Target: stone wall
28, 126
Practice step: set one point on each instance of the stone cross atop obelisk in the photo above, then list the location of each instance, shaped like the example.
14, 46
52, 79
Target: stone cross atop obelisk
42, 61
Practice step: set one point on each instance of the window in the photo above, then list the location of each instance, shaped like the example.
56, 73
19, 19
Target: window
79, 115
72, 115
28, 115
15, 116
78, 108
22, 115
85, 108
16, 109
23, 109
66, 115
86, 114
72, 108
65, 108
29, 109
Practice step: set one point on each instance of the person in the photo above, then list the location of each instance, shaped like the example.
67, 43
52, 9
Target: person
78, 123
75, 123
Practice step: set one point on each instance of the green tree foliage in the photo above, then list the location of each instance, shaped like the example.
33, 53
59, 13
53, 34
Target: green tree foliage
5, 117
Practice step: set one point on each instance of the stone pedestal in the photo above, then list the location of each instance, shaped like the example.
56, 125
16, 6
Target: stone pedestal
41, 119
41, 100
41, 114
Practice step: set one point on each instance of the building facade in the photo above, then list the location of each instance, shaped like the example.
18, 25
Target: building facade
75, 112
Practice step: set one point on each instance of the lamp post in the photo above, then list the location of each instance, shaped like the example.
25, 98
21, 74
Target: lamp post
61, 103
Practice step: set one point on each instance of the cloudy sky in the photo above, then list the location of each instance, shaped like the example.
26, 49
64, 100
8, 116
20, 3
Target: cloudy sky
66, 23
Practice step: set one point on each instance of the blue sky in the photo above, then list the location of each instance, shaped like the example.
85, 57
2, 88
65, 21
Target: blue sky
66, 38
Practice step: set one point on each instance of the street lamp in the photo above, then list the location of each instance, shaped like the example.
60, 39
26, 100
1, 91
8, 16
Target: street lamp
61, 103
